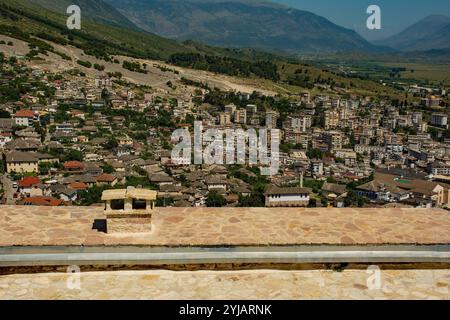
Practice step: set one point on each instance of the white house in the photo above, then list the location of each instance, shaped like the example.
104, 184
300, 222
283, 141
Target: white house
25, 118
287, 197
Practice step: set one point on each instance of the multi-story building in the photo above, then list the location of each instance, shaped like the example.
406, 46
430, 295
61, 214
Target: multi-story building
417, 118
439, 119
333, 139
21, 162
360, 148
331, 119
301, 123
431, 102
25, 118
102, 82
224, 119
316, 168
251, 109
305, 97
231, 108
348, 155
439, 168
240, 116
271, 119
298, 137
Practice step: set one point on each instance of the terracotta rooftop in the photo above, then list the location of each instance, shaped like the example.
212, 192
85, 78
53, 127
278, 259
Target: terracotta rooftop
28, 182
25, 114
21, 226
73, 165
78, 185
106, 177
43, 201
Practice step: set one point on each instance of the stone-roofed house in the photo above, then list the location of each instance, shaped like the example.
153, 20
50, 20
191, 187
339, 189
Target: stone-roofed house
84, 178
337, 189
161, 179
335, 193
23, 145
21, 162
47, 158
92, 168
389, 187
64, 193
28, 134
216, 183
5, 138
287, 197
6, 125
54, 145
117, 166
169, 191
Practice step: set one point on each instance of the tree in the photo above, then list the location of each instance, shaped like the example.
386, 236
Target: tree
5, 114
72, 155
107, 168
215, 200
164, 202
251, 201
91, 196
105, 95
353, 200
85, 64
99, 67
314, 153
111, 144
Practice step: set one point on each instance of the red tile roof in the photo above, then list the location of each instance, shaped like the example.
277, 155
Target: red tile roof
73, 165
105, 177
28, 182
78, 186
43, 201
24, 114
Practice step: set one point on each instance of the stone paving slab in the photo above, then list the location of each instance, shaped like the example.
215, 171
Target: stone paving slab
229, 285
40, 226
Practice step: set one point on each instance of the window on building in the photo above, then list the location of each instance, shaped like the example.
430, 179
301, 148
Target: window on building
118, 204
139, 204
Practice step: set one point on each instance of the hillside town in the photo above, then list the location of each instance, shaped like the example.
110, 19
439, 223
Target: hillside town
66, 137
245, 150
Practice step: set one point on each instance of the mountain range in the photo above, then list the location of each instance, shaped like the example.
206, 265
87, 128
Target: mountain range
242, 29
242, 24
98, 11
430, 33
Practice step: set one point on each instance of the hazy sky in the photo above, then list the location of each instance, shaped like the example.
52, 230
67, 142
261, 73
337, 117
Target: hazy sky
396, 15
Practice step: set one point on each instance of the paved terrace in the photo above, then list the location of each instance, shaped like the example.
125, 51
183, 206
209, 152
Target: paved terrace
206, 285
64, 226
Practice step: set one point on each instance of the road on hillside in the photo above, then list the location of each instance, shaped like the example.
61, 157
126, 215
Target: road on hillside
8, 188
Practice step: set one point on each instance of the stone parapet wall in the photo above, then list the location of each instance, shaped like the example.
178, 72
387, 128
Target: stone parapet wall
128, 223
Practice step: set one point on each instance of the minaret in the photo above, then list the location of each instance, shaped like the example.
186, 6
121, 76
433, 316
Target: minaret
301, 179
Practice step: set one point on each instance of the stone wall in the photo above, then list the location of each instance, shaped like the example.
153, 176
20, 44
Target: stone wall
128, 223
